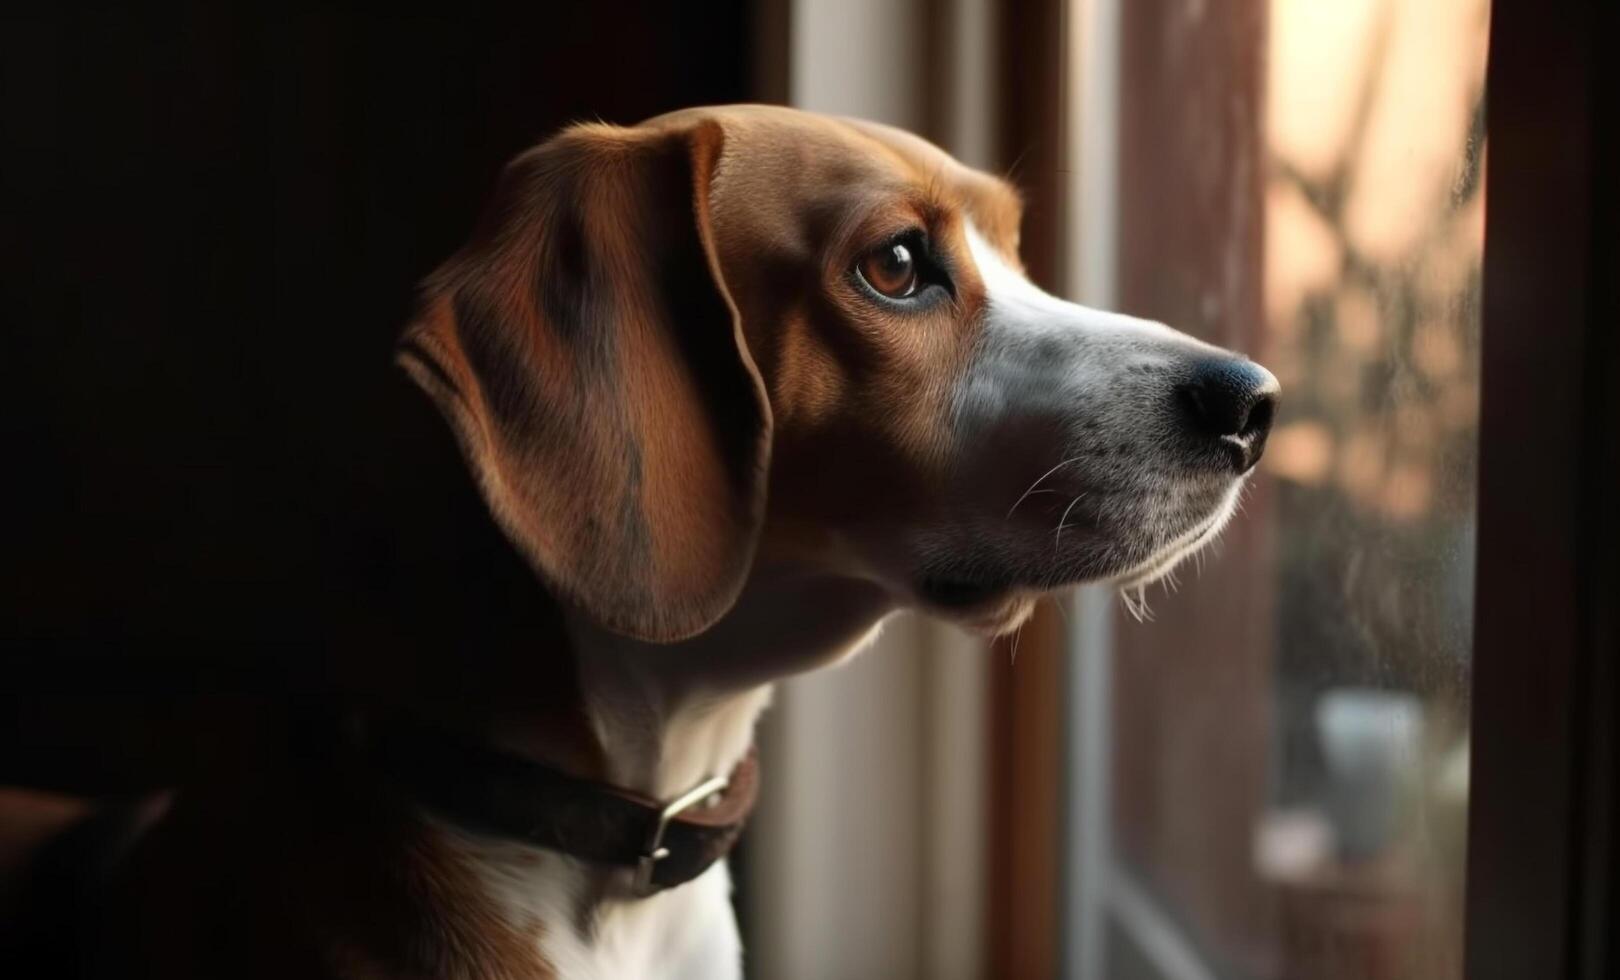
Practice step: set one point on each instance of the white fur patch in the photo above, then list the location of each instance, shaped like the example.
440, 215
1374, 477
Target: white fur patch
684, 933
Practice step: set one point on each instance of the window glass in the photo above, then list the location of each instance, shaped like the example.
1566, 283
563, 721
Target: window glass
1288, 742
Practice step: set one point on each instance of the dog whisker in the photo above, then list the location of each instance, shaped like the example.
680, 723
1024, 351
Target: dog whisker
1057, 537
1137, 605
1043, 476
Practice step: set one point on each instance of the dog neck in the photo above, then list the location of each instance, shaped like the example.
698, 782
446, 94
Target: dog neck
652, 718
656, 719
670, 715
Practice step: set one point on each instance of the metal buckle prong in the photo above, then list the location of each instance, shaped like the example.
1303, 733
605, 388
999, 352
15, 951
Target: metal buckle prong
654, 850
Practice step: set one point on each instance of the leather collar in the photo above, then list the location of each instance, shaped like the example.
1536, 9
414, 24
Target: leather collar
483, 789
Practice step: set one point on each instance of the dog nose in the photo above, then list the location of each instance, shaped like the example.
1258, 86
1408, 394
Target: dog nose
1232, 399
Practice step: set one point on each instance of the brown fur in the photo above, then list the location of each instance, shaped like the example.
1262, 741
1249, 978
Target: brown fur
622, 435
583, 332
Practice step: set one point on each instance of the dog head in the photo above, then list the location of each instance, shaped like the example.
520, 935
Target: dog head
750, 334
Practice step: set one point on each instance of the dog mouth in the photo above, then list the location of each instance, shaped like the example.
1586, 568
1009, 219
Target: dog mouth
1133, 583
990, 599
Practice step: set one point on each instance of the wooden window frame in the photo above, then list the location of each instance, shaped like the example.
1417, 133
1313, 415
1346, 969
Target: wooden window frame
1541, 857
1025, 825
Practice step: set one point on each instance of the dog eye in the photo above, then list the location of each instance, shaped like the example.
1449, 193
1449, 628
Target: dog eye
890, 269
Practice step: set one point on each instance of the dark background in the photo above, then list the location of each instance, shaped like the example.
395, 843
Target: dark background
215, 480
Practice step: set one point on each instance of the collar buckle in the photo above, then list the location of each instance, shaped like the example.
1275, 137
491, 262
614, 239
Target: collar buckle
654, 850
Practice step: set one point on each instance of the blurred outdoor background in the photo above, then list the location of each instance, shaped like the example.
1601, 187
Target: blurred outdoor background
1267, 780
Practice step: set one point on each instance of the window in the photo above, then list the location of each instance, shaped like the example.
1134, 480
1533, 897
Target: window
1273, 773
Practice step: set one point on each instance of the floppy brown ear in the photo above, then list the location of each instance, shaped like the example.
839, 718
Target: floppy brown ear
591, 362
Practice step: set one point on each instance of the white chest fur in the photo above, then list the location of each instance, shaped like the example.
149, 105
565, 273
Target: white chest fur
685, 933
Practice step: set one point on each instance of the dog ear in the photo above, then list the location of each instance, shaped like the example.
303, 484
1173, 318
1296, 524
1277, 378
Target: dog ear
587, 353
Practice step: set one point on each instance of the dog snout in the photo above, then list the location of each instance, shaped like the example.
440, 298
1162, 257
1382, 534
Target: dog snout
1231, 400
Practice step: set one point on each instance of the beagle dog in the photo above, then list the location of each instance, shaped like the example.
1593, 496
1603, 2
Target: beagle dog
738, 383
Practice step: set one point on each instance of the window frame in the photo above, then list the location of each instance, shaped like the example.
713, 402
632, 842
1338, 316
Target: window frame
1541, 861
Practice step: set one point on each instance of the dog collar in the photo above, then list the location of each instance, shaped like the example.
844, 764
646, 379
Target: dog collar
664, 843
